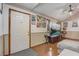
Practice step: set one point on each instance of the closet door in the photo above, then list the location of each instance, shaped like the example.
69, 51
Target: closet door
19, 31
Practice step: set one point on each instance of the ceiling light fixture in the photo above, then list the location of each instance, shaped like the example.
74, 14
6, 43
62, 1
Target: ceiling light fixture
70, 9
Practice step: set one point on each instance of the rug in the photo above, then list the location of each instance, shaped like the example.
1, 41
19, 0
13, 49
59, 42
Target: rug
27, 52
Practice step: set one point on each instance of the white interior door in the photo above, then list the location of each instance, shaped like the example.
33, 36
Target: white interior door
19, 31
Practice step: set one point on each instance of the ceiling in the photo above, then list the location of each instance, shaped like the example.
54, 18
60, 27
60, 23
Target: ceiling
50, 9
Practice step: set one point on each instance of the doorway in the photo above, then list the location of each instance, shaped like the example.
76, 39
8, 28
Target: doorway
19, 31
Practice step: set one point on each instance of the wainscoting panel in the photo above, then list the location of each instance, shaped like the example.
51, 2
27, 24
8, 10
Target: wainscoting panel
1, 46
37, 38
73, 35
6, 44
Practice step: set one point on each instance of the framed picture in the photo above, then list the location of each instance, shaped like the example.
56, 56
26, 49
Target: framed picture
41, 22
38, 25
75, 24
44, 25
33, 20
65, 24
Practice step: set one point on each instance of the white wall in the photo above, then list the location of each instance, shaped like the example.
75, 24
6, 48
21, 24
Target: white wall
1, 44
6, 15
5, 22
5, 18
70, 28
0, 21
69, 25
0, 24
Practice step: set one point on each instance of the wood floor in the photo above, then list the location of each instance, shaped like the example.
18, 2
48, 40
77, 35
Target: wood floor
44, 49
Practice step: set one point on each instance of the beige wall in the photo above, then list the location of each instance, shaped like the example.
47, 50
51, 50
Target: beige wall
38, 38
72, 34
6, 44
1, 46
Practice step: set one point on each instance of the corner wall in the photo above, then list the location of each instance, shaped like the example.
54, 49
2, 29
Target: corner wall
72, 32
1, 33
37, 33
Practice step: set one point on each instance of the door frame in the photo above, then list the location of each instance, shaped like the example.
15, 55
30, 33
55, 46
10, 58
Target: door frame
9, 29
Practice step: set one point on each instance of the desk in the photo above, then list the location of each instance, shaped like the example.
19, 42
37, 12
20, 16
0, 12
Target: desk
52, 39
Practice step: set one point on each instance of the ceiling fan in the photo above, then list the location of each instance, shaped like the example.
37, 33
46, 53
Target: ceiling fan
70, 8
